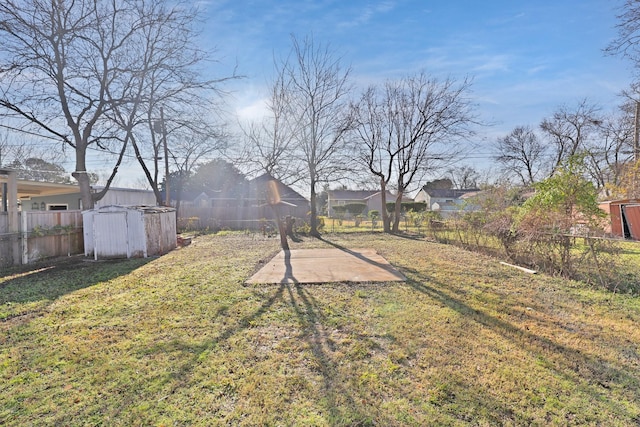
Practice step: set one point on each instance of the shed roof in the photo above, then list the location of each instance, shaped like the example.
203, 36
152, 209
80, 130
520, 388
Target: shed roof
141, 208
620, 202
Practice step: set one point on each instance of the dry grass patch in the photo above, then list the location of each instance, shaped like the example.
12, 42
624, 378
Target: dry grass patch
180, 340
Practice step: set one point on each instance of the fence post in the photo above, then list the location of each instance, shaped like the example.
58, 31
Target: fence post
12, 212
25, 238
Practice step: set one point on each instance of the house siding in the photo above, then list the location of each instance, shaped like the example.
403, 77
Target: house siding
447, 202
372, 199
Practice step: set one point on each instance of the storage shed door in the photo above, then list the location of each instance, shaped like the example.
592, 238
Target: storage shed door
632, 217
110, 236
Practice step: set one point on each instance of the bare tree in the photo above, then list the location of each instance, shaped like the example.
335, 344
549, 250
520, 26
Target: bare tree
611, 154
269, 144
172, 115
372, 135
463, 177
15, 151
75, 70
411, 126
521, 153
568, 131
191, 149
611, 150
317, 87
627, 44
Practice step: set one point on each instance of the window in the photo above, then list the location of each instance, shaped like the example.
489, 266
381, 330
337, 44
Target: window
57, 207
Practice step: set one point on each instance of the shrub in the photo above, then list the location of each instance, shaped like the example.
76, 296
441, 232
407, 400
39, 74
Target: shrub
561, 201
340, 211
355, 209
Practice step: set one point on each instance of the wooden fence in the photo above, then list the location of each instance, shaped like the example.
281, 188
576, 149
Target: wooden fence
248, 217
40, 235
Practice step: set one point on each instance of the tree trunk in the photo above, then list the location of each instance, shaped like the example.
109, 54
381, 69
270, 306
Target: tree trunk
284, 243
314, 211
178, 198
85, 189
289, 221
397, 211
383, 213
82, 177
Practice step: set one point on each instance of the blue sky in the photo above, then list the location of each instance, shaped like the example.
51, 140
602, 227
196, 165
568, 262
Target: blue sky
526, 57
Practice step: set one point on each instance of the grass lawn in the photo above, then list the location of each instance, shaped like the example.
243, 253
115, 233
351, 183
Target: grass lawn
181, 340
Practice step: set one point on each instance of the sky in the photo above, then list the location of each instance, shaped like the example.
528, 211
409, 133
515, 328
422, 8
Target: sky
526, 58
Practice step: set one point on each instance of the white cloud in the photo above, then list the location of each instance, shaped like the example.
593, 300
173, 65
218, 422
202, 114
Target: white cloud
365, 15
491, 63
252, 110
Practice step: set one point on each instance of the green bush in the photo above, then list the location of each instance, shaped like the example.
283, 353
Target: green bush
407, 206
414, 206
340, 211
355, 209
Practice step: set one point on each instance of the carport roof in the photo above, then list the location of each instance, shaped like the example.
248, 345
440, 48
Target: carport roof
28, 188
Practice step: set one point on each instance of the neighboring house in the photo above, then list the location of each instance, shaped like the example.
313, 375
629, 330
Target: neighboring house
126, 197
244, 204
292, 202
48, 196
346, 197
67, 197
446, 201
19, 244
42, 219
372, 199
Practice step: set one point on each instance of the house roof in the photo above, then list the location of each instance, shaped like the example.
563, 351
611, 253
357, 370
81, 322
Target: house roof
286, 192
448, 193
378, 193
351, 194
123, 189
472, 194
29, 188
254, 189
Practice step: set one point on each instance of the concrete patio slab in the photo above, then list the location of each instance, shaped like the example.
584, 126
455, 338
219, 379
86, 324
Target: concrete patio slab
327, 265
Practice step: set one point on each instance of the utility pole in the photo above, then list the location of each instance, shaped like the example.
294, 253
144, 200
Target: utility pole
636, 134
167, 196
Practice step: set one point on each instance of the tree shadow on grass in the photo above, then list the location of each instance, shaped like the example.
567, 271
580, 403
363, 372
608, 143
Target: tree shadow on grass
387, 267
317, 337
339, 405
418, 237
49, 280
589, 373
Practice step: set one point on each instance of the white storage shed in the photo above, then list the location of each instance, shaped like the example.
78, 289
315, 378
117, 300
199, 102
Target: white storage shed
129, 231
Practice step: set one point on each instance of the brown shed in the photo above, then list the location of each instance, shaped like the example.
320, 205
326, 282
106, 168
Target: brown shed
625, 217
